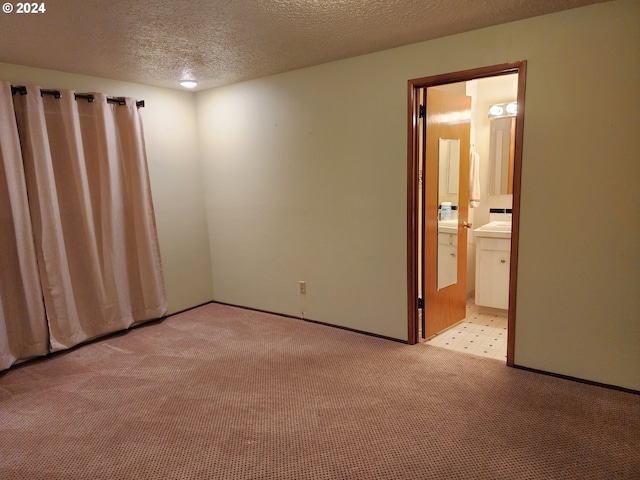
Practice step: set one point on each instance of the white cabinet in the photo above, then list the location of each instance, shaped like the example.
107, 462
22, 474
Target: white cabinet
447, 259
492, 271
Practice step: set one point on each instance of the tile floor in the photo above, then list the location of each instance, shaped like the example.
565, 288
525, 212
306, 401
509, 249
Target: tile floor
483, 334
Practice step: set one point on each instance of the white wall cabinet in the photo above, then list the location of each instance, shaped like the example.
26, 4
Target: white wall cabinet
492, 272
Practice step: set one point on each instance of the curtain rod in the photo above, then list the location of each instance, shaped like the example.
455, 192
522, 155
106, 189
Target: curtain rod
22, 90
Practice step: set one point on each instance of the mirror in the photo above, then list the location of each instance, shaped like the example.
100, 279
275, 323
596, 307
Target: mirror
448, 185
501, 152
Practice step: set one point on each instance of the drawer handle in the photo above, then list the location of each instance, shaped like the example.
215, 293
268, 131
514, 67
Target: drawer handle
502, 260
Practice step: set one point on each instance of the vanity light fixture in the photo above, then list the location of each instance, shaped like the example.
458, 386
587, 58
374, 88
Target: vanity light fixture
503, 110
496, 110
188, 83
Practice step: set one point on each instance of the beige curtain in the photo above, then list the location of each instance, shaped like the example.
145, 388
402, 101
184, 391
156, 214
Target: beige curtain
91, 212
23, 328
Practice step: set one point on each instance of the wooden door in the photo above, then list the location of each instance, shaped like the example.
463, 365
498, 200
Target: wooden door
448, 116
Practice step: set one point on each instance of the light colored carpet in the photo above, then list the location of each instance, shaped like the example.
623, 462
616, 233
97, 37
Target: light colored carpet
225, 393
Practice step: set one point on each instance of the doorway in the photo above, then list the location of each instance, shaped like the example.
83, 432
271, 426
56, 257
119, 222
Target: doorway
436, 293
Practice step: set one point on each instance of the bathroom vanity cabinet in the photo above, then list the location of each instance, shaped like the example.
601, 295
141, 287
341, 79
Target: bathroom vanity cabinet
492, 268
447, 261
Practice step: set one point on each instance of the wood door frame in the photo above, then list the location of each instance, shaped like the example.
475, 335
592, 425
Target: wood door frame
413, 164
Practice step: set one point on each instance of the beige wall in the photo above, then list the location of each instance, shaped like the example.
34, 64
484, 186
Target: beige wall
306, 180
305, 175
174, 169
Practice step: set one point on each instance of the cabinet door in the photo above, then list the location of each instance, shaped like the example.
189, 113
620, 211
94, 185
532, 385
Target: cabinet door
447, 262
492, 279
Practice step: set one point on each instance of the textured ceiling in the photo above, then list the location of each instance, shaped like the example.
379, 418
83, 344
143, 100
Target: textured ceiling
156, 42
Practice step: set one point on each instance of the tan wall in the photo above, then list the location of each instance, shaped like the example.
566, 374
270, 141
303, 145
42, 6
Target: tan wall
302, 184
306, 180
174, 169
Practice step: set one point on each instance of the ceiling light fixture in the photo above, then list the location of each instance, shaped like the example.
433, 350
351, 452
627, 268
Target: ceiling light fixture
188, 83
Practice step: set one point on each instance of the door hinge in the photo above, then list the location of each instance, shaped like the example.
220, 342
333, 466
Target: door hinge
420, 303
422, 111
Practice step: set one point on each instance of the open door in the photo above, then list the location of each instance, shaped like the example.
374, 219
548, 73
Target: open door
447, 302
446, 199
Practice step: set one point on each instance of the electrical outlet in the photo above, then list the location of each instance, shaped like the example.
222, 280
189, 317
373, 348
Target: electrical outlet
303, 286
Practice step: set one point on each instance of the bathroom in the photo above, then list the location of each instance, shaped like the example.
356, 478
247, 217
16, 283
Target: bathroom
483, 331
